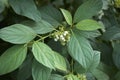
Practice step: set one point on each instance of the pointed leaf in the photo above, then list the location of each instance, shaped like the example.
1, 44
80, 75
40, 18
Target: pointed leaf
96, 60
87, 10
40, 72
17, 34
88, 25
12, 58
59, 62
80, 49
43, 54
47, 57
67, 15
26, 8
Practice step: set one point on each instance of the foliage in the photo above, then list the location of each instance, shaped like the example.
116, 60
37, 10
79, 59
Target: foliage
59, 39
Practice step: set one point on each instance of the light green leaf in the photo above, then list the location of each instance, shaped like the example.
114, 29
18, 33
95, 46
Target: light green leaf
72, 77
43, 54
40, 27
59, 62
80, 49
88, 25
56, 77
12, 58
100, 75
26, 8
40, 72
96, 60
17, 34
67, 15
87, 10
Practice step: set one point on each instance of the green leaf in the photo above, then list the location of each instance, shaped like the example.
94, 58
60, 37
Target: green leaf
88, 25
117, 76
116, 54
67, 15
80, 49
87, 10
96, 60
26, 8
49, 19
59, 62
52, 12
56, 77
112, 33
100, 75
12, 58
43, 54
2, 6
40, 72
89, 34
40, 27
25, 70
17, 34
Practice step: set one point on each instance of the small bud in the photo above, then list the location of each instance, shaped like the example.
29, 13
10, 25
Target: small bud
55, 39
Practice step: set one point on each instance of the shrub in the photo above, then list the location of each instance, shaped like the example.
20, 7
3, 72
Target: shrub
59, 40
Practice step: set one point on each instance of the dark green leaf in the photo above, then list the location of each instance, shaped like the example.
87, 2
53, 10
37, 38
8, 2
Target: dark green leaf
100, 75
40, 72
87, 10
80, 49
12, 58
117, 76
40, 27
112, 33
25, 70
88, 25
17, 34
67, 15
49, 19
2, 6
26, 8
116, 54
52, 12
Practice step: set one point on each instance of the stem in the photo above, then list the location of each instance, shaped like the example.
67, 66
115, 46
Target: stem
42, 38
72, 68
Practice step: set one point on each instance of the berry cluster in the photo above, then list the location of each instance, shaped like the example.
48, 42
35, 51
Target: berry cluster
62, 35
